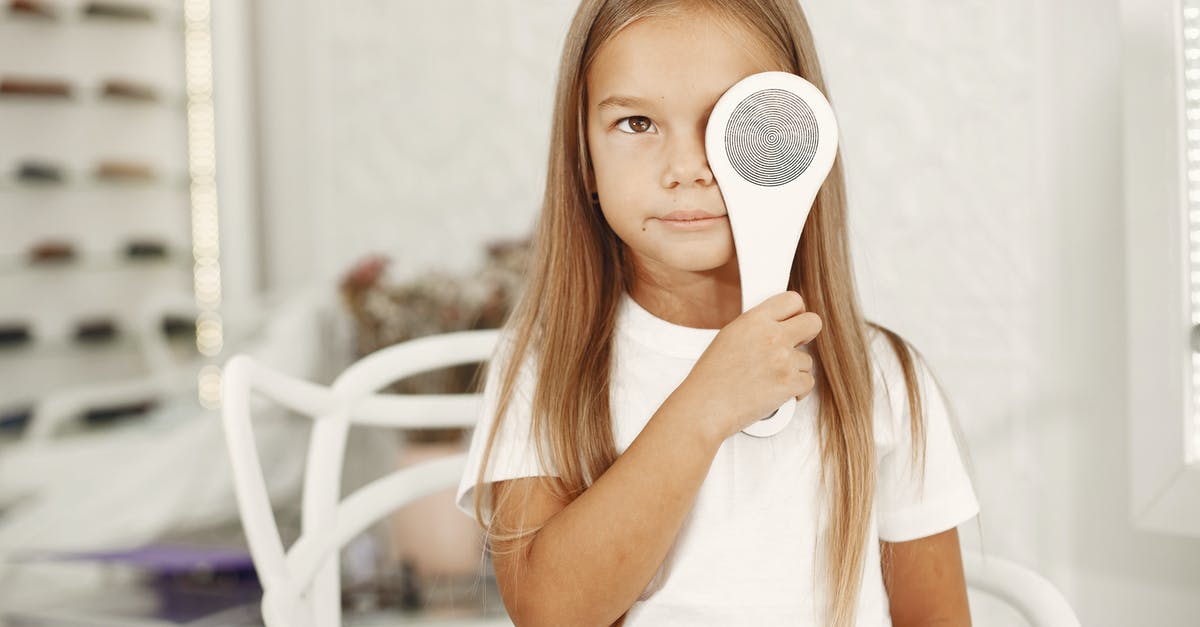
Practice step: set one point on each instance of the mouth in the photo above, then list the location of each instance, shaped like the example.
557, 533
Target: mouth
691, 220
689, 216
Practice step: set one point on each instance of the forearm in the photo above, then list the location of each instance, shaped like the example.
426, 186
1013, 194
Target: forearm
591, 561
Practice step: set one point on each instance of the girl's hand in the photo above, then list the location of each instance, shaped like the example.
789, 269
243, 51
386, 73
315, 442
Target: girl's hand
754, 364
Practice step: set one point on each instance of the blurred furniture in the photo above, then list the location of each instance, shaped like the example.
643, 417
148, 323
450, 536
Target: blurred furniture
150, 487
1022, 589
167, 373
59, 471
53, 446
302, 583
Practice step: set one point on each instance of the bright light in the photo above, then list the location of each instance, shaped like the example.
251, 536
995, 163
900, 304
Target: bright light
202, 168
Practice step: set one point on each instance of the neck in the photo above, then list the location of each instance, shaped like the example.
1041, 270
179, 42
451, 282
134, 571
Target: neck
707, 299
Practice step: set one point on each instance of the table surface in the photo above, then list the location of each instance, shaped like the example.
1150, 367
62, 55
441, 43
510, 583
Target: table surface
98, 595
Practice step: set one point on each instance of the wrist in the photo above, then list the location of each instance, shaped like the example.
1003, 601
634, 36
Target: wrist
708, 421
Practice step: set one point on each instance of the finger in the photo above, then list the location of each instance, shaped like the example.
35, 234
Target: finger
805, 381
782, 306
803, 361
803, 328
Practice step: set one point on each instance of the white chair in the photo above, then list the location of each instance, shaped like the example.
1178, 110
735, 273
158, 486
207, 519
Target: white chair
1022, 589
302, 584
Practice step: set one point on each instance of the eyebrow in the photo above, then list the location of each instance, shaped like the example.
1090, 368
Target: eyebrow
618, 100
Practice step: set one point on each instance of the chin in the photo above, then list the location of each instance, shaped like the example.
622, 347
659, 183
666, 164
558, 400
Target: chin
700, 260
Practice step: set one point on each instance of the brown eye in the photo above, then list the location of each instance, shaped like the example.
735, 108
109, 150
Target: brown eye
637, 124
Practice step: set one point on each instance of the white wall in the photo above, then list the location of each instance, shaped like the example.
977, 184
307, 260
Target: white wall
982, 145
373, 117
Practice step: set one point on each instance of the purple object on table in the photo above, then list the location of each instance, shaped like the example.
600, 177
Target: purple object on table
189, 582
168, 560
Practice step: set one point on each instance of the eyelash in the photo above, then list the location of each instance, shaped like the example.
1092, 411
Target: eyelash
618, 125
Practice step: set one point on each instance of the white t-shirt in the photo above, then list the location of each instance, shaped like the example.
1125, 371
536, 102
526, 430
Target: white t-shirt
747, 552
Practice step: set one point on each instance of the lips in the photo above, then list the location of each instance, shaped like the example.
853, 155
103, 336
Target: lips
688, 216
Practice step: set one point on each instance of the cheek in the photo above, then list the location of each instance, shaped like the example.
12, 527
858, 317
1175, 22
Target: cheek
628, 220
607, 175
624, 178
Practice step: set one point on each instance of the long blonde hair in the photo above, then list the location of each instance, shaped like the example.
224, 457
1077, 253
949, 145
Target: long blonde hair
566, 313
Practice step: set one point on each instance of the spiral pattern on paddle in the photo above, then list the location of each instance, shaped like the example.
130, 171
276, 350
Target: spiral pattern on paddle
771, 137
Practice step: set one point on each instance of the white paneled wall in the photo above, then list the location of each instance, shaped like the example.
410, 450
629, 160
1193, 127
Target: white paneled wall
982, 149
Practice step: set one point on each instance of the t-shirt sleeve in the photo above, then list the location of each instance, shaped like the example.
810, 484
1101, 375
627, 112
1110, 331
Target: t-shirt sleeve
912, 504
514, 453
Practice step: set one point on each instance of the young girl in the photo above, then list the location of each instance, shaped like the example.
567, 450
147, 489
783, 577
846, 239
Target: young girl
608, 468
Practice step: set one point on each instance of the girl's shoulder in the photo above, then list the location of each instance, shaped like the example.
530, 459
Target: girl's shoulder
890, 354
499, 363
506, 345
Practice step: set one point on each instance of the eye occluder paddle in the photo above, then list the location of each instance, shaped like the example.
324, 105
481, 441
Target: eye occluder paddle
771, 141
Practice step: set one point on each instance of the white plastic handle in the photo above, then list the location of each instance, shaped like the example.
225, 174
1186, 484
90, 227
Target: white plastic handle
770, 426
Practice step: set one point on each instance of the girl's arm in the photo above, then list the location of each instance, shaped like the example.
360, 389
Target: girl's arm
596, 555
924, 581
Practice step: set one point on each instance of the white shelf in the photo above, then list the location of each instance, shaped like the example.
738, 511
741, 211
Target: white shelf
97, 217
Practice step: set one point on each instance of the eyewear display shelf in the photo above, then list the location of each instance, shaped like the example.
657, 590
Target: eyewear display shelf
95, 220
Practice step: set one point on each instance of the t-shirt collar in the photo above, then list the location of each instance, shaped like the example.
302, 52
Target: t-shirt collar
658, 334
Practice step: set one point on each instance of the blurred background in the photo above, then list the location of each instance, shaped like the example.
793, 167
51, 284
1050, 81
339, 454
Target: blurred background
311, 180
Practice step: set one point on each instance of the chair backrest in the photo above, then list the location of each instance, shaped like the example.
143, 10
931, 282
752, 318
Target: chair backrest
302, 584
1022, 589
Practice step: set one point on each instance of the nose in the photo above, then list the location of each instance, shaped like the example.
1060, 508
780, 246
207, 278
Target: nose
687, 161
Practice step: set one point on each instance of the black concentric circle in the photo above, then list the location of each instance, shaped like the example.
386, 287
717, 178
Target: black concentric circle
771, 137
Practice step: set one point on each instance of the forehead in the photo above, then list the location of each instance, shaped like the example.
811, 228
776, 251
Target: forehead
685, 60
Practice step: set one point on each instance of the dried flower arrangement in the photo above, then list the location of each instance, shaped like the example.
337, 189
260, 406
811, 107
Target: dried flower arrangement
385, 314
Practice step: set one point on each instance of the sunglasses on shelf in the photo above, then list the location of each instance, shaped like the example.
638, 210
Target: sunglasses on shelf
14, 419
35, 87
39, 172
105, 415
117, 171
32, 171
96, 331
52, 253
14, 335
142, 250
33, 8
178, 327
118, 10
128, 90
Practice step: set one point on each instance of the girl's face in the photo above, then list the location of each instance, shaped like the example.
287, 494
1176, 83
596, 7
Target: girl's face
650, 91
